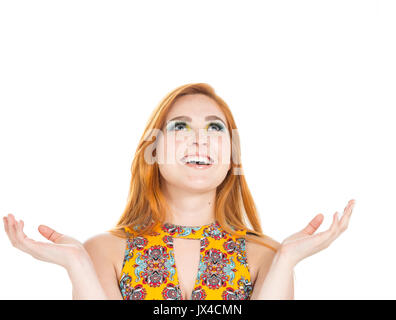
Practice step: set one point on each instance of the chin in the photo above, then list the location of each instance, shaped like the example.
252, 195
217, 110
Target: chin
198, 187
200, 184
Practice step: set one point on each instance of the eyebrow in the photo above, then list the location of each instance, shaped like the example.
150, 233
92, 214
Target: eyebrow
211, 117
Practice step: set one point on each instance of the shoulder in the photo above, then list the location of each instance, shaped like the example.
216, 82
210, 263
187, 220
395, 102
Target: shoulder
269, 246
105, 239
106, 246
260, 256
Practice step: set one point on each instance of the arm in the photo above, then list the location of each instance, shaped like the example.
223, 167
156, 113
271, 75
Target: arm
275, 282
85, 282
278, 283
103, 249
71, 255
93, 276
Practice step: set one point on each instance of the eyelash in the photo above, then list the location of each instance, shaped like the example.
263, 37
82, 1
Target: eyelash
173, 125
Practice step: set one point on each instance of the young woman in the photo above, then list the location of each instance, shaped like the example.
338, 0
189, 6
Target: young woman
183, 233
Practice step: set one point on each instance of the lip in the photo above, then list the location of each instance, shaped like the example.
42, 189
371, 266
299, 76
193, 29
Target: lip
199, 166
198, 155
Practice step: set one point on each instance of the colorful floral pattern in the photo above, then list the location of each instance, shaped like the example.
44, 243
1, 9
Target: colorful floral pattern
149, 269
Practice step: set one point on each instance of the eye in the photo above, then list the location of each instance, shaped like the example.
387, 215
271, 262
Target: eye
177, 126
216, 125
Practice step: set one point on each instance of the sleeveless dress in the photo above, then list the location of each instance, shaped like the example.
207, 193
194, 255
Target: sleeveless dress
149, 270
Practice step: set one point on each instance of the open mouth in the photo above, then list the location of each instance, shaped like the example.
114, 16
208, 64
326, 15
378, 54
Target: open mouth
199, 162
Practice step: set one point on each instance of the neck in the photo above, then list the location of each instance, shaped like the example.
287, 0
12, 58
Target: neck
189, 208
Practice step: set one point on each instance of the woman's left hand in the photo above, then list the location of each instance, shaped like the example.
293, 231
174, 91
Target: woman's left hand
305, 243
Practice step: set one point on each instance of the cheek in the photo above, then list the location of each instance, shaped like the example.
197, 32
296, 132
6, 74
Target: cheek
221, 147
170, 149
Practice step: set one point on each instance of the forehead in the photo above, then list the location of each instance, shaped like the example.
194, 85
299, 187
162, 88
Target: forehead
195, 106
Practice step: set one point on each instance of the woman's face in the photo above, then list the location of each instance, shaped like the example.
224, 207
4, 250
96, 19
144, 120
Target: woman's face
195, 129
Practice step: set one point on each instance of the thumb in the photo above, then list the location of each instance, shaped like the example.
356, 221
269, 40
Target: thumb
313, 225
49, 233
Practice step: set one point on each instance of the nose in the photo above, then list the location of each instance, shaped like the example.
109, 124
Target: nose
199, 137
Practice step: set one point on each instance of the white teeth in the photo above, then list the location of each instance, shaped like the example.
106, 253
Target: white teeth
196, 159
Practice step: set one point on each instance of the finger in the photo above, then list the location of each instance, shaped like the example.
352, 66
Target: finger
5, 222
349, 206
17, 235
333, 232
29, 245
7, 226
347, 215
21, 236
50, 233
335, 225
313, 225
326, 237
12, 230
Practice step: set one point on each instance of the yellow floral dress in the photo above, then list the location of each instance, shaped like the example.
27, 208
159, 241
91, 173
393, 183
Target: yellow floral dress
149, 269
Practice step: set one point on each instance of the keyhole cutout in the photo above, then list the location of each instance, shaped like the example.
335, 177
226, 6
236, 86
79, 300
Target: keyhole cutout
187, 257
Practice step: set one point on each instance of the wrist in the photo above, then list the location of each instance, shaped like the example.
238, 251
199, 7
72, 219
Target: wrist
81, 260
284, 260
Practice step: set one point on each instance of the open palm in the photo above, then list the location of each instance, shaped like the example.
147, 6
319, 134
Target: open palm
305, 243
63, 250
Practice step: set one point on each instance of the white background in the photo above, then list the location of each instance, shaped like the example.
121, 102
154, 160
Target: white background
311, 85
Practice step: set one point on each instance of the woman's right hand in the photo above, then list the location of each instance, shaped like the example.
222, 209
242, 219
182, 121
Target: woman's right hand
64, 251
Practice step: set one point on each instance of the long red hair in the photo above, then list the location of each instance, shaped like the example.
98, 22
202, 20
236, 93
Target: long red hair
146, 205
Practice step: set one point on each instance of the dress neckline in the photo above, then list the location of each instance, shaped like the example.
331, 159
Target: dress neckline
190, 232
174, 225
173, 231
